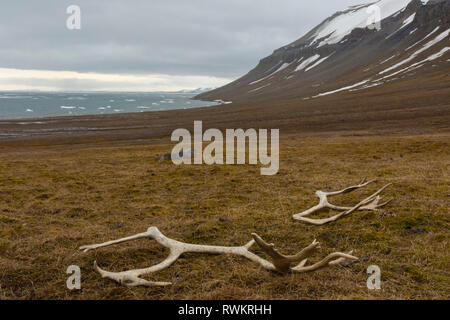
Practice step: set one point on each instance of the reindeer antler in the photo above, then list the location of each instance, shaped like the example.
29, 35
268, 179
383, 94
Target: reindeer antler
281, 263
370, 203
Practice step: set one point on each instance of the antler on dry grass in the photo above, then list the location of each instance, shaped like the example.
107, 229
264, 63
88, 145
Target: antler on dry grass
280, 263
370, 203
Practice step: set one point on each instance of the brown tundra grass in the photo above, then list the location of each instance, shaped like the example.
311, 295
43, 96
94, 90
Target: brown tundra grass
57, 198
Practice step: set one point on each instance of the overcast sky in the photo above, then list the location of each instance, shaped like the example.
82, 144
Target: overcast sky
147, 45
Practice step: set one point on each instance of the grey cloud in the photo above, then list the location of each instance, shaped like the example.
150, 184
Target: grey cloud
177, 37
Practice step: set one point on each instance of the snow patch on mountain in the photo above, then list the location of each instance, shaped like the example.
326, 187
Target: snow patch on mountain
418, 64
406, 22
422, 30
427, 36
342, 89
257, 89
318, 62
307, 62
282, 67
409, 20
425, 47
367, 86
336, 28
388, 59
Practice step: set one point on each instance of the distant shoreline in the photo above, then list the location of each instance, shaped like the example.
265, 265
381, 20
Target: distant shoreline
39, 106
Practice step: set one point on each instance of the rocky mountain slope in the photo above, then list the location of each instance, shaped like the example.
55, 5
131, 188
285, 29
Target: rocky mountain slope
347, 54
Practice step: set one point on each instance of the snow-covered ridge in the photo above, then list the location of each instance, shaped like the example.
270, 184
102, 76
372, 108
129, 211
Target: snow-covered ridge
334, 30
420, 34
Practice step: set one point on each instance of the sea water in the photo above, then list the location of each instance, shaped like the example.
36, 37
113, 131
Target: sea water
14, 105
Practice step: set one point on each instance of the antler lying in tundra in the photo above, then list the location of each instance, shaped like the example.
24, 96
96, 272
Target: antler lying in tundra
370, 203
281, 263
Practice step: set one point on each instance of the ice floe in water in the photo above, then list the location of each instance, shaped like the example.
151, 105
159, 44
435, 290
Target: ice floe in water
14, 106
75, 98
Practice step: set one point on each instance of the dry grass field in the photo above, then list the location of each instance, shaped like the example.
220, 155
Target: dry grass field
74, 180
57, 198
